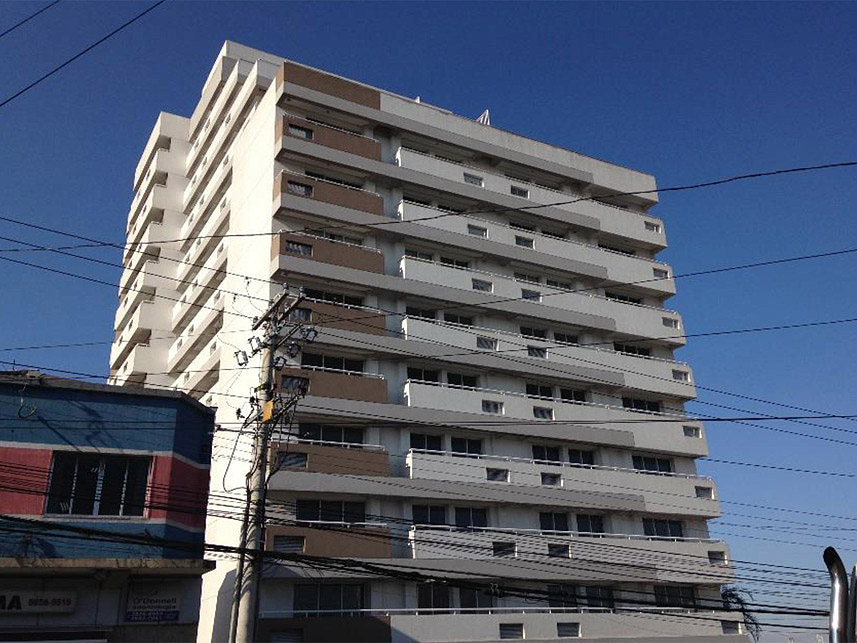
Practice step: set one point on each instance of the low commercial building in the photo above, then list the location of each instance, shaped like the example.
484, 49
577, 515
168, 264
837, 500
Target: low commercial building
103, 493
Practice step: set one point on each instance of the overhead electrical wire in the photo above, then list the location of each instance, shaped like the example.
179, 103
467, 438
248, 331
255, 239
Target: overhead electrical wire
28, 18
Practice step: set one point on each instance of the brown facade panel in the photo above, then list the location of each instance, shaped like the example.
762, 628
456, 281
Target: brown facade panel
350, 542
329, 137
342, 318
332, 629
331, 85
338, 385
341, 195
331, 459
326, 251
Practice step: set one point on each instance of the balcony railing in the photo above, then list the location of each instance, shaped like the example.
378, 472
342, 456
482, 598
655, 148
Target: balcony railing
565, 534
560, 463
434, 611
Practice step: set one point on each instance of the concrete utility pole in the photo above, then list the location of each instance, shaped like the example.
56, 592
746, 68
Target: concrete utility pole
250, 567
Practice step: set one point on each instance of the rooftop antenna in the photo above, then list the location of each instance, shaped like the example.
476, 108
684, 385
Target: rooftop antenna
484, 118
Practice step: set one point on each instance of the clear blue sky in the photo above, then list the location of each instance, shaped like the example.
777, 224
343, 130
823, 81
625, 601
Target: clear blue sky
688, 92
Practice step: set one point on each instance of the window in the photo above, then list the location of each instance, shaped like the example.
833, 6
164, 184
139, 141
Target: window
651, 463
482, 285
292, 460
524, 193
553, 521
558, 550
467, 446
299, 248
660, 274
477, 231
599, 596
532, 295
300, 132
333, 179
511, 630
454, 318
590, 524
553, 233
562, 285
421, 313
424, 442
429, 514
413, 199
551, 479
473, 179
624, 298
418, 254
581, 456
97, 485
705, 492
299, 315
455, 263
562, 595
432, 596
674, 596
623, 251
289, 544
543, 453
423, 374
543, 413
529, 331
691, 431
333, 236
334, 298
471, 517
474, 599
464, 381
669, 322
523, 276
641, 405
504, 548
717, 558
539, 390
565, 338
330, 433
486, 343
631, 349
490, 406
330, 511
334, 599
681, 376
572, 395
730, 627
539, 352
497, 475
663, 528
652, 227
298, 385
568, 630
524, 242
299, 189
332, 362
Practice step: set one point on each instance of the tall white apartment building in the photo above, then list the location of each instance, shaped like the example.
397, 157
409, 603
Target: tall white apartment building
492, 395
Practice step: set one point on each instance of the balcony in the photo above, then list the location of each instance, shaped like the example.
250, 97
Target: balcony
663, 493
206, 323
138, 329
631, 319
621, 268
290, 188
651, 431
338, 253
203, 291
202, 236
335, 457
149, 280
335, 539
346, 385
612, 219
664, 377
360, 319
293, 126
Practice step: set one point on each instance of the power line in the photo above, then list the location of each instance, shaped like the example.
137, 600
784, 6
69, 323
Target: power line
28, 18
80, 53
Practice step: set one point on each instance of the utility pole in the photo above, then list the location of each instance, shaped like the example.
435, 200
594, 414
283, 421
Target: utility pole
248, 575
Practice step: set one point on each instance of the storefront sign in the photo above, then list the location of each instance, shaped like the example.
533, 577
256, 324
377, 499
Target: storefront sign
149, 603
36, 602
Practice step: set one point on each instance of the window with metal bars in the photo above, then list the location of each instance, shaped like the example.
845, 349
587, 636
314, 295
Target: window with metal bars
97, 485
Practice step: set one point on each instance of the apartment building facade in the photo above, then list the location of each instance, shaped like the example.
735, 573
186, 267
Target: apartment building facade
103, 495
492, 401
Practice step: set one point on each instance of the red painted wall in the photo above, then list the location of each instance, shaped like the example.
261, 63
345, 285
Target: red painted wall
24, 475
179, 492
